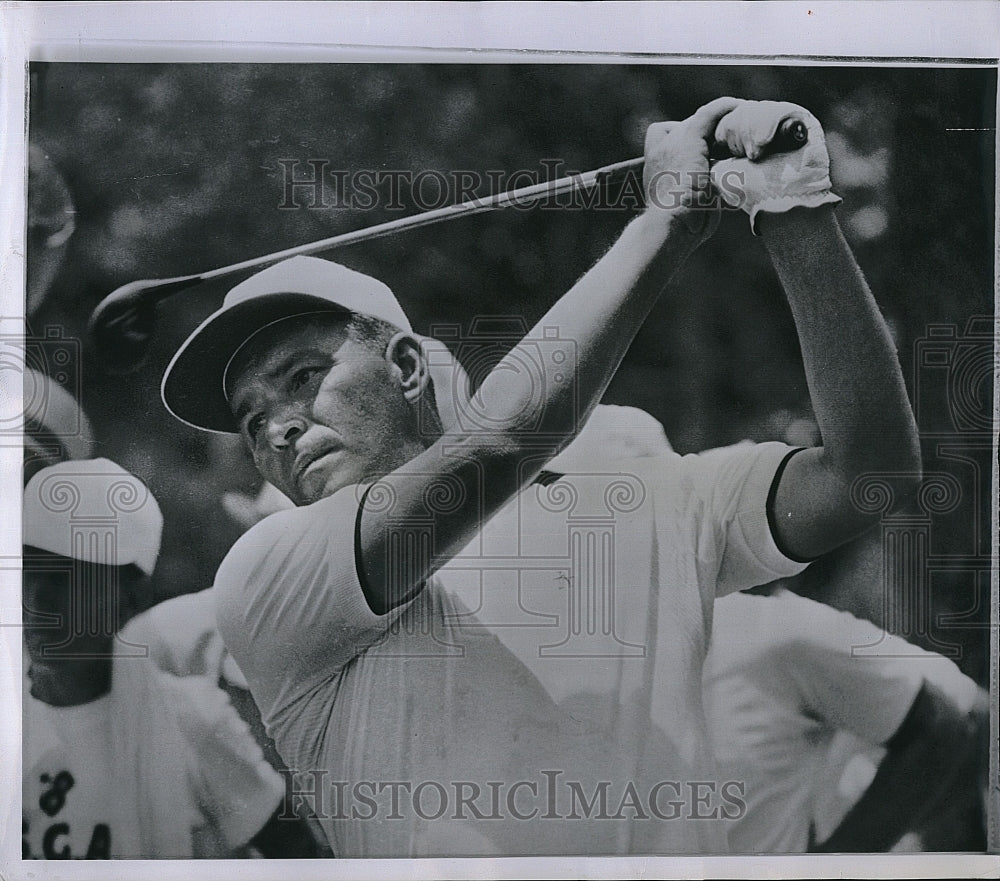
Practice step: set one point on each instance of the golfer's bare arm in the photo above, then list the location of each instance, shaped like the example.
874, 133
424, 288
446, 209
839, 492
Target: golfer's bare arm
854, 381
600, 314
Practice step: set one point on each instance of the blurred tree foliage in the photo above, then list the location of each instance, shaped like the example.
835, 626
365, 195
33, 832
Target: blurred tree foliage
177, 168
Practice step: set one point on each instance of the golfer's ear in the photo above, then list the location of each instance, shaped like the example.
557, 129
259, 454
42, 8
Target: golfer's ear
404, 353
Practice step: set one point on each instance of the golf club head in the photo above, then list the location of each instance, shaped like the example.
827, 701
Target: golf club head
123, 324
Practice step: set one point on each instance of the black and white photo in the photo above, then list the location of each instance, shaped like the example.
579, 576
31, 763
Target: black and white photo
446, 457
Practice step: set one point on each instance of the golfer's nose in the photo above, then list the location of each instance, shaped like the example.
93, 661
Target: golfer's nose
284, 427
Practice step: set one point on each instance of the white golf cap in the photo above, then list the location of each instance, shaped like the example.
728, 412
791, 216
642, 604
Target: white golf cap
193, 384
95, 511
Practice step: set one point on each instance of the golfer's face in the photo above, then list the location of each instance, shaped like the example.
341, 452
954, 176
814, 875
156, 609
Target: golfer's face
317, 410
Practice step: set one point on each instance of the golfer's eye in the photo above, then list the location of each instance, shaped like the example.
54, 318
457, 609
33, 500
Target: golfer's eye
303, 376
254, 425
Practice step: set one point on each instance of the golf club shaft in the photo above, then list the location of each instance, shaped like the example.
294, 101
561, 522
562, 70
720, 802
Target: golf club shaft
522, 196
120, 307
124, 321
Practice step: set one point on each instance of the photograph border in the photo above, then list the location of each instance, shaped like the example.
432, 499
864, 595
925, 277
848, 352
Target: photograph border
825, 32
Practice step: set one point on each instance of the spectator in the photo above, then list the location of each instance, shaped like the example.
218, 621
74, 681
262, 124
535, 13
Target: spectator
120, 760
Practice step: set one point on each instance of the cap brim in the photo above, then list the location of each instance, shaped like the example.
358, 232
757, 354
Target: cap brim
192, 388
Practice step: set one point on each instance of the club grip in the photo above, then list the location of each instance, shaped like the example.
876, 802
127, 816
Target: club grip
790, 136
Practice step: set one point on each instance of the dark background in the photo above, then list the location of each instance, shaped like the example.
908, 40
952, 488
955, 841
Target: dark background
174, 169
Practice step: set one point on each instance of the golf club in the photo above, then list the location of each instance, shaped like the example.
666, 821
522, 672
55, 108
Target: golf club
123, 323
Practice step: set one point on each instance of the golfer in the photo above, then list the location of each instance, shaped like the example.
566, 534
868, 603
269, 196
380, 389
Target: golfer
447, 657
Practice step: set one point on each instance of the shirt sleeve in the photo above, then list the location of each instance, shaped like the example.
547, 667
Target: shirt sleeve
735, 485
289, 603
180, 635
237, 790
858, 678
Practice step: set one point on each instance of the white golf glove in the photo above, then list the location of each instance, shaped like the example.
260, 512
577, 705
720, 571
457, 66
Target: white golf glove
758, 180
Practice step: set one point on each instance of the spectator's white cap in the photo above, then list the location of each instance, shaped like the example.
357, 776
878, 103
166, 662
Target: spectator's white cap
193, 384
95, 511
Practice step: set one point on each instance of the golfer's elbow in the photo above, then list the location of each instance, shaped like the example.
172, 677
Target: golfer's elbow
900, 460
512, 453
897, 446
525, 416
910, 468
522, 449
884, 456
